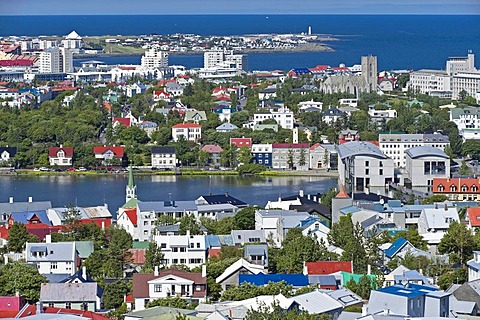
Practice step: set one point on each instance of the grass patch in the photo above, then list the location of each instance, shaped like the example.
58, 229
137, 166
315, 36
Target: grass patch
208, 173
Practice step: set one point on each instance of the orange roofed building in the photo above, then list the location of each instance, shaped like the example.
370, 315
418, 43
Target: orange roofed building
458, 189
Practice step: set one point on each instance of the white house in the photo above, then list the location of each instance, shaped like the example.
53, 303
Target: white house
190, 131
53, 258
331, 115
164, 157
283, 116
188, 250
434, 223
425, 163
474, 267
309, 106
467, 121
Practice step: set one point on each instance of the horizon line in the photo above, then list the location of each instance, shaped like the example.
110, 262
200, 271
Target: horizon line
249, 14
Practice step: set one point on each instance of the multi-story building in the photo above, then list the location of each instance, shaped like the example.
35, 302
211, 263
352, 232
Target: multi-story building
72, 41
468, 81
290, 156
155, 58
465, 118
363, 165
262, 154
56, 60
164, 157
188, 250
429, 81
220, 58
425, 163
53, 258
394, 145
190, 131
458, 189
456, 65
283, 116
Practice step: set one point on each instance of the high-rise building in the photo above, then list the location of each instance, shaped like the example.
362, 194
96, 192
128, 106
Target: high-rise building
56, 60
369, 71
155, 58
224, 59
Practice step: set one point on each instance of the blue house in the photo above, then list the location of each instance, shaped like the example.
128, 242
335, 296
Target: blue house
262, 154
30, 217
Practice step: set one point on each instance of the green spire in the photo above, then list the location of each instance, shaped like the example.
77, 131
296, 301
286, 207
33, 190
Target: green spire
131, 182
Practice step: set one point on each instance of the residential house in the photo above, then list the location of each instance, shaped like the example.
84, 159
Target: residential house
310, 106
79, 296
395, 145
467, 121
283, 116
423, 164
322, 157
231, 275
362, 166
6, 209
267, 93
389, 279
262, 154
346, 297
148, 126
225, 198
318, 302
189, 131
349, 102
473, 218
324, 282
380, 117
195, 116
11, 305
468, 292
241, 142
411, 300
109, 155
164, 158
458, 189
474, 267
256, 254
412, 276
168, 283
348, 136
60, 156
332, 115
290, 156
434, 222
276, 223
53, 258
240, 238
214, 150
162, 95
224, 113
124, 122
226, 127
160, 312
100, 215
261, 127
7, 154
174, 88
402, 247
188, 250
134, 89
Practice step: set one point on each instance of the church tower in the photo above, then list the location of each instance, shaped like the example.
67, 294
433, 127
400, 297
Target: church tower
369, 72
131, 192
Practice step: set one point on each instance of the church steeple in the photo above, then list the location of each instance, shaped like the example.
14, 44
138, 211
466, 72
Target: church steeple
131, 192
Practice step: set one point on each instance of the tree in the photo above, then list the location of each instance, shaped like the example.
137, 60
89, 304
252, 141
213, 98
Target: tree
245, 219
275, 312
18, 237
21, 278
247, 290
471, 148
115, 292
171, 302
435, 198
458, 242
153, 258
244, 155
464, 171
290, 159
302, 159
326, 198
451, 276
188, 222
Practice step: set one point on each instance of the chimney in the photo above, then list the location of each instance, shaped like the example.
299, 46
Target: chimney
445, 206
367, 191
155, 273
226, 194
10, 200
84, 272
30, 199
17, 293
5, 258
369, 269
300, 193
103, 225
436, 205
48, 238
204, 270
188, 233
39, 307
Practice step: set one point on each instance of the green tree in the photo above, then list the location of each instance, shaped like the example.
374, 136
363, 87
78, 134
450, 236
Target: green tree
171, 302
458, 242
302, 158
290, 159
245, 219
451, 276
464, 170
244, 155
188, 222
21, 278
435, 198
18, 237
471, 148
114, 293
153, 258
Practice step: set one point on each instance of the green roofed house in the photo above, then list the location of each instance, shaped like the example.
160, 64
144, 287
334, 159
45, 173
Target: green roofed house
347, 276
140, 244
84, 249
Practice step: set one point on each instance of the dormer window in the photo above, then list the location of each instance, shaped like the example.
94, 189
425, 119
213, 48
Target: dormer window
464, 188
474, 188
441, 188
453, 188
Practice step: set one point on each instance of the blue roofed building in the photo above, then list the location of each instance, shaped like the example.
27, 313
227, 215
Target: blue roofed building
30, 217
410, 300
296, 280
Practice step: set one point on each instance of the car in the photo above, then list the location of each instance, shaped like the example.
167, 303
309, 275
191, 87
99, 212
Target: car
36, 169
44, 169
82, 169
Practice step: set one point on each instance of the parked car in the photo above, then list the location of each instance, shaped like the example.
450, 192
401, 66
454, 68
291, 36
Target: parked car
82, 169
44, 169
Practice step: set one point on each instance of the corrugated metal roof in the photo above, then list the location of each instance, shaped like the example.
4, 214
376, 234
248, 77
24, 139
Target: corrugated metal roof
317, 302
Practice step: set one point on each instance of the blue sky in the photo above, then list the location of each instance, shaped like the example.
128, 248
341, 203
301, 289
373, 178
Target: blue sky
82, 7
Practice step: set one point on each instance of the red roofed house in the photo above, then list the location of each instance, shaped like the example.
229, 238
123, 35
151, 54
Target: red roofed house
473, 215
190, 131
161, 96
327, 267
126, 122
138, 256
458, 189
127, 219
348, 136
293, 156
168, 283
60, 156
109, 153
214, 150
241, 142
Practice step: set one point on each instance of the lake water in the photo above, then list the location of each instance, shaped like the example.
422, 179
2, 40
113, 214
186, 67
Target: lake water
89, 191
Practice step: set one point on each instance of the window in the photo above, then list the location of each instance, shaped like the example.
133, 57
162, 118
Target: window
183, 249
183, 260
68, 305
198, 287
145, 223
53, 265
85, 306
51, 305
198, 245
380, 164
174, 261
367, 163
380, 172
367, 171
464, 188
157, 288
175, 249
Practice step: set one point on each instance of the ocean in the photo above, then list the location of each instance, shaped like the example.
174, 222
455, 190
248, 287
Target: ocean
399, 41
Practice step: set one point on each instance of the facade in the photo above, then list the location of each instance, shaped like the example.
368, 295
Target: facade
395, 145
241, 142
262, 154
467, 121
363, 165
290, 156
190, 131
230, 277
72, 41
458, 189
60, 156
7, 154
155, 58
429, 81
188, 250
169, 283
56, 60
474, 267
109, 154
53, 258
219, 58
276, 223
433, 224
283, 116
164, 157
425, 163
332, 115
348, 136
